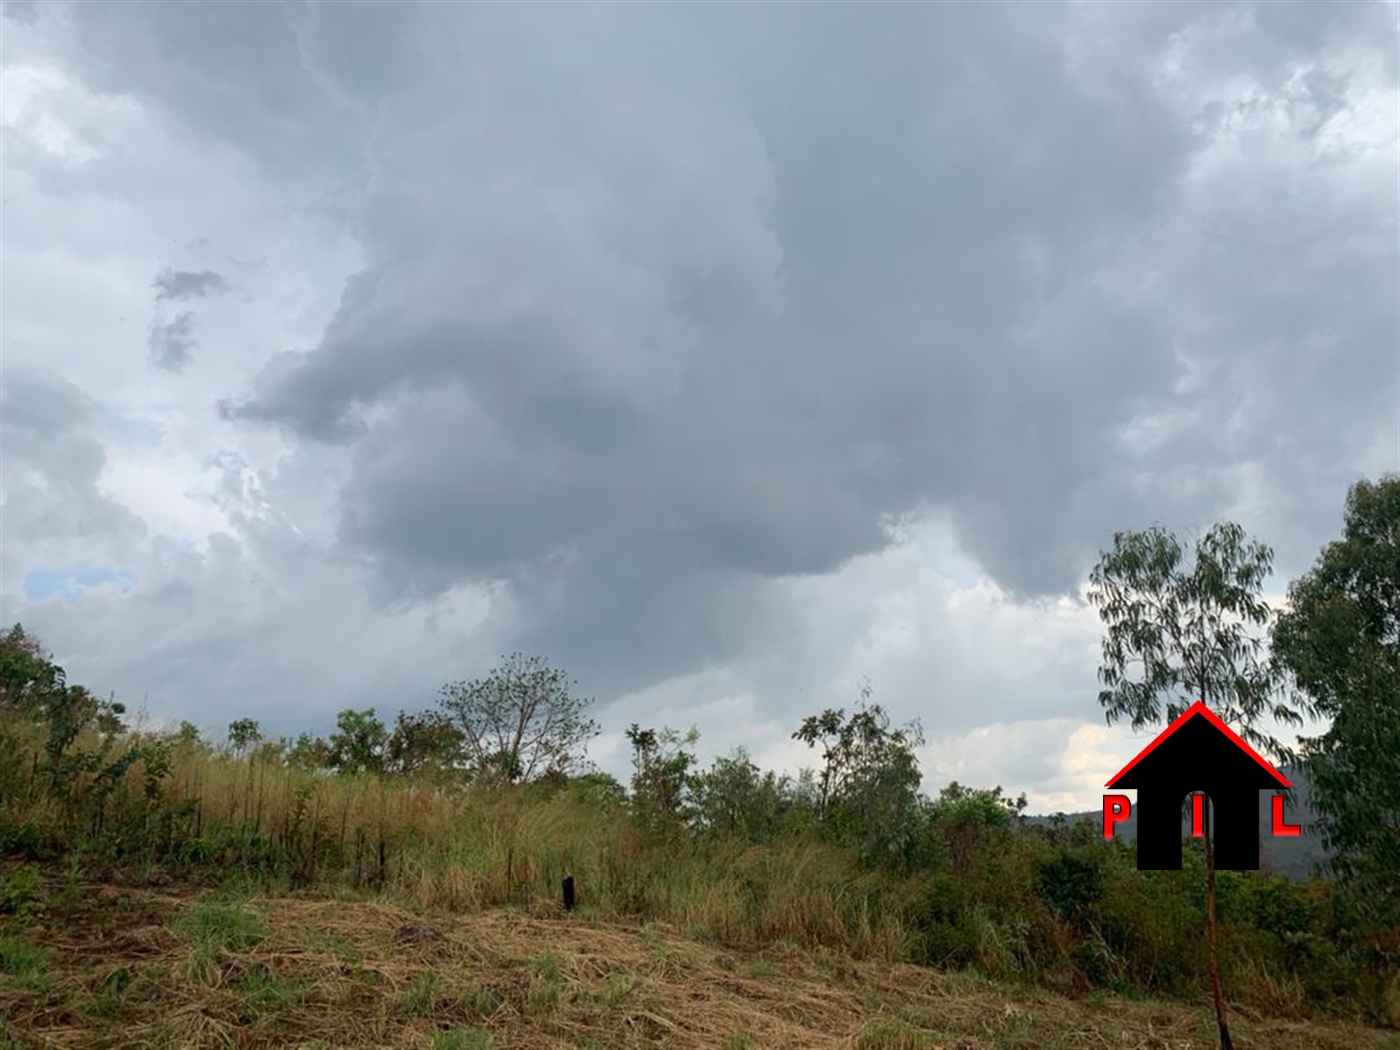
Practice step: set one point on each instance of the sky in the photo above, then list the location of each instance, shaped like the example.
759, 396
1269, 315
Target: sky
725, 356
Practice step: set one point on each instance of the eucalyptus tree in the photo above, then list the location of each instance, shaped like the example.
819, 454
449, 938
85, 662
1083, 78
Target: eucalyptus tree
1185, 625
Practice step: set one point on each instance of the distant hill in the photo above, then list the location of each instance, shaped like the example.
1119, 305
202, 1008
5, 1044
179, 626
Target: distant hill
1296, 858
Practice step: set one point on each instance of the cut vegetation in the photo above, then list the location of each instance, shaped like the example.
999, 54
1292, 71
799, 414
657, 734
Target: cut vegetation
167, 968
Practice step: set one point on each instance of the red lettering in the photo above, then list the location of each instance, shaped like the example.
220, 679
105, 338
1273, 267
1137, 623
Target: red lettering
1116, 809
1280, 828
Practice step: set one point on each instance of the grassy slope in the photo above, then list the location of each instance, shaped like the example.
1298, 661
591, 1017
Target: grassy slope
140, 966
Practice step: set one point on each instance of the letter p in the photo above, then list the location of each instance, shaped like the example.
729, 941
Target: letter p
1116, 809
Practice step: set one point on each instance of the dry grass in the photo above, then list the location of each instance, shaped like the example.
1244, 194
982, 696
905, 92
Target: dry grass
468, 850
140, 967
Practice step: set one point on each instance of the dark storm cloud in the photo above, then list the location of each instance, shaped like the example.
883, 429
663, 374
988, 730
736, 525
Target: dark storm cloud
171, 342
196, 64
659, 305
953, 273
182, 285
772, 400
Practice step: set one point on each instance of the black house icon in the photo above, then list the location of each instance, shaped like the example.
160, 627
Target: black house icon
1198, 752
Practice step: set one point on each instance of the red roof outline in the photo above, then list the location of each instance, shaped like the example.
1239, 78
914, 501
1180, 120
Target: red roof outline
1200, 708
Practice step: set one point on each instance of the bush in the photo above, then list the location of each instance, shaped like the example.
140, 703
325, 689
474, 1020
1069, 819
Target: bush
1071, 882
22, 840
17, 890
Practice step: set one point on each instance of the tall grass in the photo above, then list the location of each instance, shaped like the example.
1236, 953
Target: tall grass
268, 823
993, 904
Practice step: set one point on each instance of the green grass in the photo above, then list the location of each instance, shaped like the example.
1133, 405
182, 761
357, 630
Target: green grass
547, 986
111, 993
618, 990
612, 993
216, 927
24, 963
422, 995
894, 1035
266, 991
224, 924
479, 1005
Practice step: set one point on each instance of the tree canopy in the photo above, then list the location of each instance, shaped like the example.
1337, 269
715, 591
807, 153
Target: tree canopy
1339, 640
1178, 629
520, 721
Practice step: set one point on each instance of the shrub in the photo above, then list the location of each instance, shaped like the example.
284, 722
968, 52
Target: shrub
1071, 883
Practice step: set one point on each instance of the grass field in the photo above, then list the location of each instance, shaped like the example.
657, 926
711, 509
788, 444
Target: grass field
157, 890
136, 965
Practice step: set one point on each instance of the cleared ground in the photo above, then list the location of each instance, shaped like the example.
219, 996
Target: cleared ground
141, 966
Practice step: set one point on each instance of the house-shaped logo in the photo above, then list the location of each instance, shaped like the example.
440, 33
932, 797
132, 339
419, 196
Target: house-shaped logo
1197, 755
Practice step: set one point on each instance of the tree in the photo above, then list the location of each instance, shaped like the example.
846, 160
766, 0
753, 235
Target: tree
661, 775
965, 816
83, 731
243, 735
357, 745
309, 752
423, 743
599, 790
869, 781
520, 721
1178, 632
735, 799
29, 679
186, 734
69, 711
1339, 641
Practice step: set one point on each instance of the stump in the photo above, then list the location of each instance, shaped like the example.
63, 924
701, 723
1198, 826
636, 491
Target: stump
568, 893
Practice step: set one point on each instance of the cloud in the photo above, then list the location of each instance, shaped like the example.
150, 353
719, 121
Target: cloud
23, 11
722, 355
51, 502
171, 342
228, 75
656, 387
181, 285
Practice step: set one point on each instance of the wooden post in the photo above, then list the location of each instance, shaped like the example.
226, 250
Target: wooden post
1212, 938
568, 893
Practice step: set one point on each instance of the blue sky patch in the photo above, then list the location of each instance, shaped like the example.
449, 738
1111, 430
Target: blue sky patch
69, 581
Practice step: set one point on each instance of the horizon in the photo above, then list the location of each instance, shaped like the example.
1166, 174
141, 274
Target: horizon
725, 358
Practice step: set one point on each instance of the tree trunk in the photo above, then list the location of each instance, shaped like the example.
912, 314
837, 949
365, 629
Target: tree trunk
1212, 939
